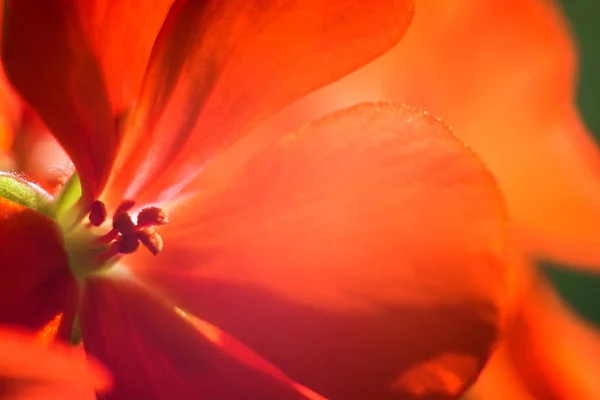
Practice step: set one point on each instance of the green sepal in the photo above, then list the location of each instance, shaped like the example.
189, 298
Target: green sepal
20, 191
64, 207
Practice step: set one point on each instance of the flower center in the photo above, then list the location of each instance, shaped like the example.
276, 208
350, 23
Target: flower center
125, 236
92, 251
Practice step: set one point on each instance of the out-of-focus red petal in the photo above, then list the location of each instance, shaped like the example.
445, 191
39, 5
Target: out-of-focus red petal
502, 74
9, 107
153, 353
39, 156
48, 333
362, 255
556, 352
30, 369
6, 135
548, 351
221, 66
50, 62
500, 381
123, 33
9, 112
36, 282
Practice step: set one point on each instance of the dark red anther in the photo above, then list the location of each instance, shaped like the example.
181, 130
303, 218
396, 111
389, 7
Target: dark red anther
151, 239
125, 236
123, 224
97, 213
128, 243
151, 216
125, 206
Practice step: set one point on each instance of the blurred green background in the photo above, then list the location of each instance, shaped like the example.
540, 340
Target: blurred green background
580, 289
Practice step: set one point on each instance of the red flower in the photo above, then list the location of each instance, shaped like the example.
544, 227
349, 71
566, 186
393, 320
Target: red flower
362, 255
30, 369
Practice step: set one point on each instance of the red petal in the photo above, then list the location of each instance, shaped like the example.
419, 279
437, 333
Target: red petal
32, 370
153, 353
219, 67
49, 61
503, 75
361, 255
36, 281
123, 33
244, 354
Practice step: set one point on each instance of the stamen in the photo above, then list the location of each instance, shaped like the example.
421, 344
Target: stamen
151, 239
122, 222
125, 236
151, 216
109, 237
125, 206
97, 213
112, 251
128, 243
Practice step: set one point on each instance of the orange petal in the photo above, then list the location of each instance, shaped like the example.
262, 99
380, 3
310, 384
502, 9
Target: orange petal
6, 135
153, 353
502, 74
36, 282
50, 62
9, 107
361, 255
9, 112
549, 351
500, 381
32, 370
220, 67
48, 333
123, 34
557, 353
